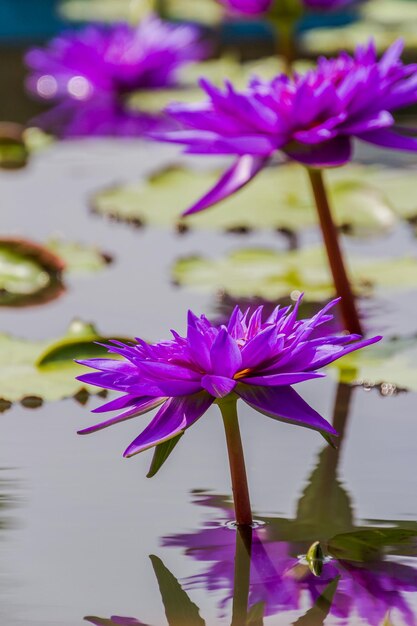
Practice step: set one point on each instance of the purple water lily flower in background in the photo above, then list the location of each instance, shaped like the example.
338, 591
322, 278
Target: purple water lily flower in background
248, 7
260, 7
91, 72
311, 118
257, 360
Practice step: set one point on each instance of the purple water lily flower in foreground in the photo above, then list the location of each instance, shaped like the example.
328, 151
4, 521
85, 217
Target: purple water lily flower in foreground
252, 359
311, 118
96, 68
257, 360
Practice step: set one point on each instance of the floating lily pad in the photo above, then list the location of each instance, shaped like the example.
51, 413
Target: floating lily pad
271, 275
32, 274
216, 70
280, 194
206, 11
330, 41
390, 365
390, 13
45, 369
13, 150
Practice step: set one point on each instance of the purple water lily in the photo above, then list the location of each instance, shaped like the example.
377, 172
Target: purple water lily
311, 118
257, 361
91, 72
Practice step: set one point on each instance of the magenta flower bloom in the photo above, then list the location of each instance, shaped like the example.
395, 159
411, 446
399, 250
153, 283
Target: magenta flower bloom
311, 118
94, 69
256, 360
248, 7
259, 7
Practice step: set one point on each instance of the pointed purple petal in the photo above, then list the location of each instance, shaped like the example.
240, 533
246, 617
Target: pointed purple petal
218, 386
275, 380
327, 354
225, 355
174, 417
140, 408
239, 175
388, 139
284, 404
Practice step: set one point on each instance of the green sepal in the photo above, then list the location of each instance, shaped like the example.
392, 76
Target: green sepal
161, 454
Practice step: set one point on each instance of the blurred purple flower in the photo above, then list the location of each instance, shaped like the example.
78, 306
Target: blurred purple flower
92, 71
259, 7
311, 118
248, 7
257, 360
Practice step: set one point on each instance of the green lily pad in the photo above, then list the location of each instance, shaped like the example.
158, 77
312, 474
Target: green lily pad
45, 369
206, 12
390, 365
273, 274
215, 70
330, 41
32, 274
390, 13
13, 150
281, 195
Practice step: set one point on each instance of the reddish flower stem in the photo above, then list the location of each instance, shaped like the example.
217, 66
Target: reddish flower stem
334, 253
240, 487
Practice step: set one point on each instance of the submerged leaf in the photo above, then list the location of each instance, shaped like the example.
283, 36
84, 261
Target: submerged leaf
281, 195
318, 613
368, 544
46, 370
179, 609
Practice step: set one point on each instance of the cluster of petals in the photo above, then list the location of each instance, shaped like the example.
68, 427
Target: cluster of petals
257, 360
95, 68
312, 118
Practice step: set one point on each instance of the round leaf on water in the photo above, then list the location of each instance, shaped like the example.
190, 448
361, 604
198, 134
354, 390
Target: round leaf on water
271, 274
281, 195
13, 150
46, 369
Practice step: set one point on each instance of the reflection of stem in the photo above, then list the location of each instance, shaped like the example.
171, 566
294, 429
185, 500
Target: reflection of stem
240, 488
340, 418
242, 576
334, 254
161, 8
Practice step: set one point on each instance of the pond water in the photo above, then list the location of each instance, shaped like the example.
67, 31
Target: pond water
78, 523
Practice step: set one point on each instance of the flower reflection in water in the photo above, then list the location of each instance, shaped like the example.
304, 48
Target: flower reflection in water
367, 576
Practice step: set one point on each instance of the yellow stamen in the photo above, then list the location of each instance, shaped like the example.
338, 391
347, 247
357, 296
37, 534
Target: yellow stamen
242, 374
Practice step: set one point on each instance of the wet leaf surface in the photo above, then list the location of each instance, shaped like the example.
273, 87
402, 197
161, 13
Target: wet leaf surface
33, 274
271, 275
281, 196
45, 369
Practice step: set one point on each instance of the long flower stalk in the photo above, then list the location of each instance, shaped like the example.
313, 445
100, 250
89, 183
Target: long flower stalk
334, 253
243, 511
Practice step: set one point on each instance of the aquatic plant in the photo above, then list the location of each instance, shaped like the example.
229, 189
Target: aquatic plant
311, 118
251, 359
91, 72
